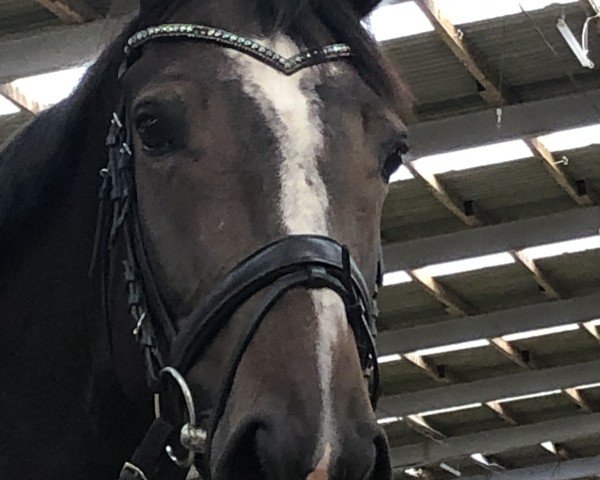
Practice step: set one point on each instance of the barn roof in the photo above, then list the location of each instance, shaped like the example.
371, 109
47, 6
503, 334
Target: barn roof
489, 332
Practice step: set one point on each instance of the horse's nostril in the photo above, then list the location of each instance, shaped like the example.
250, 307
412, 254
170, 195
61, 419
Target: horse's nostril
266, 452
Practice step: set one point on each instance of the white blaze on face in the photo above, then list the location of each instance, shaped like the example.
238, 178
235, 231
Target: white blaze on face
291, 107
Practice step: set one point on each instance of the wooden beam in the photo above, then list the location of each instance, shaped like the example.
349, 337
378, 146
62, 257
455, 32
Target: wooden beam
577, 397
527, 119
563, 452
454, 304
591, 329
453, 203
523, 383
459, 307
516, 235
421, 426
540, 278
489, 325
13, 94
436, 372
488, 79
577, 192
561, 470
501, 410
512, 353
490, 462
71, 11
497, 441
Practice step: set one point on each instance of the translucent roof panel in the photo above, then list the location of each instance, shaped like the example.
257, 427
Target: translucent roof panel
50, 88
396, 21
468, 11
7, 107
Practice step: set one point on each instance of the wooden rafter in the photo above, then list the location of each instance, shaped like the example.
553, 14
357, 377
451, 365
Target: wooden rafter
495, 94
591, 329
489, 80
511, 352
437, 373
420, 425
502, 411
455, 305
466, 212
577, 397
576, 191
71, 11
540, 277
14, 95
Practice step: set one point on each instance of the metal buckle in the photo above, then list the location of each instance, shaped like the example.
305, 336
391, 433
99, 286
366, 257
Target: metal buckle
137, 471
192, 437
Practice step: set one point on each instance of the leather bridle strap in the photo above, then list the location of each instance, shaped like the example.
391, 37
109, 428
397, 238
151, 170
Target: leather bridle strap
146, 461
317, 254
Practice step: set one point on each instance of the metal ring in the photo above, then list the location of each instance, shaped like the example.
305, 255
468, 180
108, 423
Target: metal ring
185, 390
189, 402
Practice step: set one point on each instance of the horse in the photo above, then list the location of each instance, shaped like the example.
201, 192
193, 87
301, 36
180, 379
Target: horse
190, 251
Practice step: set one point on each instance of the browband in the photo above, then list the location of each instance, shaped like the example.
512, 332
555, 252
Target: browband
249, 46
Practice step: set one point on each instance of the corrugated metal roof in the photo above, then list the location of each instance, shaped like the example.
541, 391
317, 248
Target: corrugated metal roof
529, 49
433, 73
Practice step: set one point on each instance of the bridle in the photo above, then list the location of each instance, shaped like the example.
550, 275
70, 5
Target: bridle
295, 261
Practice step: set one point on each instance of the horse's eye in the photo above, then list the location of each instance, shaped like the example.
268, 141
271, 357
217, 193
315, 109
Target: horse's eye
393, 158
154, 132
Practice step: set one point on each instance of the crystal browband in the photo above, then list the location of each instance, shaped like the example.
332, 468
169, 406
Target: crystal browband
247, 45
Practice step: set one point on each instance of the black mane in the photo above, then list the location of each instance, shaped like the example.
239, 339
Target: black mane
37, 166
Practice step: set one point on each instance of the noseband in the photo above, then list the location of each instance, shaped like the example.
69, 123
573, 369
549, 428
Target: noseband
295, 261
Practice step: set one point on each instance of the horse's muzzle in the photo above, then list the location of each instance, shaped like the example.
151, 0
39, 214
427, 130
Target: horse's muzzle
282, 450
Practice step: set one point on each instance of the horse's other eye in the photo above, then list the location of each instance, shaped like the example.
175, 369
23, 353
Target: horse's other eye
156, 134
393, 158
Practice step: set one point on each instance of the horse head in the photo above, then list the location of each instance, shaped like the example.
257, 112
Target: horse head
256, 153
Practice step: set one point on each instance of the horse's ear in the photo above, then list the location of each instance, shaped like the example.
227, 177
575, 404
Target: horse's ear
364, 7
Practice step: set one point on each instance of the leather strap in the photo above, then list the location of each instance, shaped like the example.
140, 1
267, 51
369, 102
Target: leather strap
150, 456
289, 254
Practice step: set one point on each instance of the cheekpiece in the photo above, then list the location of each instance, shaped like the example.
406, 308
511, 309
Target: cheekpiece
249, 46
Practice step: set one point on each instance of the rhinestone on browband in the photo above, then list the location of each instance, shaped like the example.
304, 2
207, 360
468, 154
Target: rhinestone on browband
247, 45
